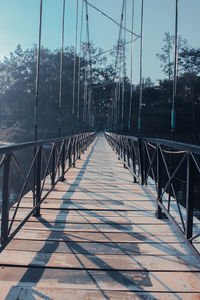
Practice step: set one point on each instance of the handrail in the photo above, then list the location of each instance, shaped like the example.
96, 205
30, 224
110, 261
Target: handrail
158, 162
171, 144
44, 162
19, 146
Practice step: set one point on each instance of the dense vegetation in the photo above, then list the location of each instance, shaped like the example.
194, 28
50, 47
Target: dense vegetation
17, 93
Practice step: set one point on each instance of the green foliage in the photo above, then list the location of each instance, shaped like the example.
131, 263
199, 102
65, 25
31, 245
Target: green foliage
166, 56
17, 93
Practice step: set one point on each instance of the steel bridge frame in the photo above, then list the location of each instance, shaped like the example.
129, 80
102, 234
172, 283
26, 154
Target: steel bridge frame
42, 165
148, 159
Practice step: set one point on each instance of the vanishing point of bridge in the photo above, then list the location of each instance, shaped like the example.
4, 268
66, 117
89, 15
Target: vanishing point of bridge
92, 232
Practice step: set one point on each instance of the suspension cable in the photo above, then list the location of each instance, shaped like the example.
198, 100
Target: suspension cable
141, 56
110, 18
88, 42
115, 73
175, 74
61, 71
79, 68
37, 75
124, 71
85, 97
131, 71
74, 75
89, 92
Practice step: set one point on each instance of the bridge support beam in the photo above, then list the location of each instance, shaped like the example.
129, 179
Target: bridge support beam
159, 184
53, 174
38, 181
78, 148
5, 199
62, 178
74, 153
189, 198
140, 160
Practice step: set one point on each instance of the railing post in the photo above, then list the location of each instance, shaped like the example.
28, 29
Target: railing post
121, 153
5, 199
118, 148
145, 165
78, 148
128, 152
53, 173
189, 198
74, 153
86, 142
82, 143
140, 161
62, 178
124, 150
69, 153
132, 154
38, 180
159, 184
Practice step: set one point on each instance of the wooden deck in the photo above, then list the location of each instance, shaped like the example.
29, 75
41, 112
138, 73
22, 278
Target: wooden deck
97, 238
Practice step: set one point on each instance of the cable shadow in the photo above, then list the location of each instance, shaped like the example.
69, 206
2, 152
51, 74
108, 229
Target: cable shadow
128, 281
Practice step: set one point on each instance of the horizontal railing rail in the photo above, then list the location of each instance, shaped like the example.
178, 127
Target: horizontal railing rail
35, 167
171, 172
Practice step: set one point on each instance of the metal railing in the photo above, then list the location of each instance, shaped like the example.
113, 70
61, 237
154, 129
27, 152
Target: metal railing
40, 165
163, 167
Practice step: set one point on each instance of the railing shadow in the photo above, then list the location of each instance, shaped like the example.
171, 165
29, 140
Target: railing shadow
128, 281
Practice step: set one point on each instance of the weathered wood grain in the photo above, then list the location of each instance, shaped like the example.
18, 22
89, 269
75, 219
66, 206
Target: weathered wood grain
97, 238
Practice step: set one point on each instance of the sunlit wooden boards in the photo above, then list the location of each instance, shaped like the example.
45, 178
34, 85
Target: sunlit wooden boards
97, 238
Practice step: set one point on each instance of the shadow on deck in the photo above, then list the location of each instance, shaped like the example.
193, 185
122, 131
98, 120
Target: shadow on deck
97, 238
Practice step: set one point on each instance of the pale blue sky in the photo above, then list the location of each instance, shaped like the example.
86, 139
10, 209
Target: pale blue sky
19, 24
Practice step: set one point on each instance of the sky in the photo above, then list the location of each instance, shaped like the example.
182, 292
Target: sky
19, 24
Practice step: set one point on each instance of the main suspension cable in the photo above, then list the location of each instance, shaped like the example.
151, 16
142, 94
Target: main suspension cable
173, 126
79, 68
110, 18
124, 71
131, 71
141, 57
37, 75
61, 72
89, 92
88, 42
117, 94
74, 75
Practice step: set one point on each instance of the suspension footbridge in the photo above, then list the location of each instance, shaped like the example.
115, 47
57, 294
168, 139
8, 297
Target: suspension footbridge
91, 208
95, 235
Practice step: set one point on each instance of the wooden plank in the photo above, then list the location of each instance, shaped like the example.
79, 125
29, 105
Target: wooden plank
24, 292
100, 206
114, 237
153, 248
92, 219
97, 234
134, 196
100, 261
92, 212
91, 188
112, 227
100, 280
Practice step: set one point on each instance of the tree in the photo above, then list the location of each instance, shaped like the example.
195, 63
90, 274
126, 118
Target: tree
190, 60
17, 93
166, 56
